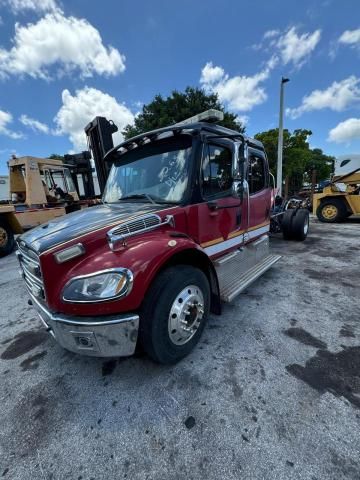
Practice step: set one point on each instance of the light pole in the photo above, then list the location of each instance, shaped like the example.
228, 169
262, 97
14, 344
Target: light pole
280, 141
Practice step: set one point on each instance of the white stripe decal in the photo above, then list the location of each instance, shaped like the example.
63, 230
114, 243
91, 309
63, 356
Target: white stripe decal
233, 242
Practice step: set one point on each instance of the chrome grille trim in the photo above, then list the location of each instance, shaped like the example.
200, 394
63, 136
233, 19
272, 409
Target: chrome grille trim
31, 271
27, 258
32, 277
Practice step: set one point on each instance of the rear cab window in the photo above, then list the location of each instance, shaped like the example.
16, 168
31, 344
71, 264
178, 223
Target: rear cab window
257, 173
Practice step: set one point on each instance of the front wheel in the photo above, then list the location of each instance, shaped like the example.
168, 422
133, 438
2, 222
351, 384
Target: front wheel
174, 313
7, 241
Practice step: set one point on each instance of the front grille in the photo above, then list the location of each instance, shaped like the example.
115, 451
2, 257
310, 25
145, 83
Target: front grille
30, 269
138, 225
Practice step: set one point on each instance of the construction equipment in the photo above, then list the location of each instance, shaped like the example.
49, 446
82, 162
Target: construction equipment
40, 189
99, 133
340, 199
81, 170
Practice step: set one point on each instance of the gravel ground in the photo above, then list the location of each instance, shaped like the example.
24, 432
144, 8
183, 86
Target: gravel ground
271, 392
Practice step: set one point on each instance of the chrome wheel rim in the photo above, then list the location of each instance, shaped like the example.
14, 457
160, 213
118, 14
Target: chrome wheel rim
186, 314
306, 226
3, 237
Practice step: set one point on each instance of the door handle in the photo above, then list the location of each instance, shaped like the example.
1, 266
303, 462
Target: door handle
238, 218
212, 204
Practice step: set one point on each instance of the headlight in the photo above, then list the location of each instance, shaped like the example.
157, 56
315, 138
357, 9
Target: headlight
99, 286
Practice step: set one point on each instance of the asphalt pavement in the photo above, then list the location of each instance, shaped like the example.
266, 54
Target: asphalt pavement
271, 392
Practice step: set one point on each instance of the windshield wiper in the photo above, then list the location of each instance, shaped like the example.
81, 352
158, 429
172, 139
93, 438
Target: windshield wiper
139, 195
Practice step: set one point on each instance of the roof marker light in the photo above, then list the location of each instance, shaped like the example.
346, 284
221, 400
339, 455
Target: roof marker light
211, 115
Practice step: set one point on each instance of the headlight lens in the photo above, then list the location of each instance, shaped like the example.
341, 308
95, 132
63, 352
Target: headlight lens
99, 286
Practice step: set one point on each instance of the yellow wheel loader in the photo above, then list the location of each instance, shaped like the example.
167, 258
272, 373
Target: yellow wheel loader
340, 199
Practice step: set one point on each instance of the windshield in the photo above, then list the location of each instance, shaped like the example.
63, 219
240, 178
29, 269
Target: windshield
155, 172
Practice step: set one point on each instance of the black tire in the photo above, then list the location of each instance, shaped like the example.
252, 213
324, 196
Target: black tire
335, 205
7, 241
154, 332
300, 224
286, 224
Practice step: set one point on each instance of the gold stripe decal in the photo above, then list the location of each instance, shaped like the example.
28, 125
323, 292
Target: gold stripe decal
212, 242
235, 242
233, 234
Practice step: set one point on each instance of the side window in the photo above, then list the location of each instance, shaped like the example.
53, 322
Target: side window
59, 179
257, 174
216, 170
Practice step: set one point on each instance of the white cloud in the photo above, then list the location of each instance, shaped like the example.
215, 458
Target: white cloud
79, 109
270, 34
5, 119
211, 74
240, 93
351, 37
35, 125
39, 6
289, 47
337, 97
294, 48
345, 131
244, 119
68, 43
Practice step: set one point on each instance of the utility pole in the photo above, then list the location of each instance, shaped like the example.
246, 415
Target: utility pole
280, 141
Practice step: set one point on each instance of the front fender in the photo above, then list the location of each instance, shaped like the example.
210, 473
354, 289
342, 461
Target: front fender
144, 255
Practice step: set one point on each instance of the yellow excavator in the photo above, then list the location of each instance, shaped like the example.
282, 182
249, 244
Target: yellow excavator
340, 199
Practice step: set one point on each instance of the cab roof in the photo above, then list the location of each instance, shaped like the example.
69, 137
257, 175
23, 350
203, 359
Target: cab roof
208, 129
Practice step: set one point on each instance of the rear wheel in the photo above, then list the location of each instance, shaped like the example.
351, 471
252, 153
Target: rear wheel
174, 313
295, 224
331, 211
7, 241
286, 224
300, 224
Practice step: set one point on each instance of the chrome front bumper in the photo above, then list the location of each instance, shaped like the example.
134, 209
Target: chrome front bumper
110, 336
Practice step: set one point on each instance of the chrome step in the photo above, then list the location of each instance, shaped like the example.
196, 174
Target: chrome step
233, 284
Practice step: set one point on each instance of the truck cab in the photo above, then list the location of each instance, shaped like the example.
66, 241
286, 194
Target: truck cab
183, 227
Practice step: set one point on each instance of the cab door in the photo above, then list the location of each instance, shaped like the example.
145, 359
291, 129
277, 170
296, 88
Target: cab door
259, 195
217, 223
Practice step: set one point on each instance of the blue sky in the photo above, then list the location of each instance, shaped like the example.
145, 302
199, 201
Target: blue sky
62, 63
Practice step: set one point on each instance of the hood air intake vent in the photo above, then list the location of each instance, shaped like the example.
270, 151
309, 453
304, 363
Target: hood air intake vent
138, 225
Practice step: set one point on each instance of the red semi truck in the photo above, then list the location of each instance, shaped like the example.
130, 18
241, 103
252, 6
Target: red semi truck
184, 226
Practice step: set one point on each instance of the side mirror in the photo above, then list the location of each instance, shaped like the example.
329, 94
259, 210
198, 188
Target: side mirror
237, 189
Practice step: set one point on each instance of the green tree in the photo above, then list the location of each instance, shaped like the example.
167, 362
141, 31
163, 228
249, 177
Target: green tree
55, 156
162, 112
299, 159
323, 164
